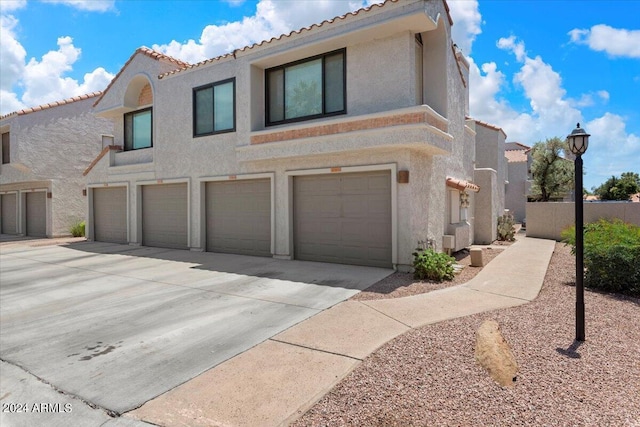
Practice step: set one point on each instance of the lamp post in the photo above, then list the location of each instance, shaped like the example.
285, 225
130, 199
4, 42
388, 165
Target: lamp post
578, 143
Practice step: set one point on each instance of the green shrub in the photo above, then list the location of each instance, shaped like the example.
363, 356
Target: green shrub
77, 229
611, 256
431, 265
506, 228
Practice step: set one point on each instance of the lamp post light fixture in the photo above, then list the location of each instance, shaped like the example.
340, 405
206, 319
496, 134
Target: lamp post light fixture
578, 143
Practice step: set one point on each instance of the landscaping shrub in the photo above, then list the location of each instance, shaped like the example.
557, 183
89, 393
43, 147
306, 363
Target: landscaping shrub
431, 265
77, 229
506, 228
611, 256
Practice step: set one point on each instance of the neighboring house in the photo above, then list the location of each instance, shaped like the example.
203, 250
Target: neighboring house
491, 175
342, 142
44, 151
519, 186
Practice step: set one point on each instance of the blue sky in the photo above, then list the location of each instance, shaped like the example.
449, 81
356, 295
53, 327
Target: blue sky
537, 67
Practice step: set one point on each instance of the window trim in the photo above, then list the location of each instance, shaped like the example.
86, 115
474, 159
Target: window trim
132, 113
6, 150
213, 111
322, 56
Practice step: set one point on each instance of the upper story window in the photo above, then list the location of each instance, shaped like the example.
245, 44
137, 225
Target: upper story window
138, 130
6, 149
214, 108
306, 89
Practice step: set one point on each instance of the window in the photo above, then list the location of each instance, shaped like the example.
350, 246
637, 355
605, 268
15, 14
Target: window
214, 108
137, 130
302, 90
6, 148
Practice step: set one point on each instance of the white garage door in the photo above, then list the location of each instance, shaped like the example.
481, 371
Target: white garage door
37, 214
239, 217
110, 214
9, 216
164, 216
343, 218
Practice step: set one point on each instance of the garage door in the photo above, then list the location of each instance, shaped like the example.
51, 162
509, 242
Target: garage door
164, 216
9, 217
343, 218
110, 214
239, 217
37, 214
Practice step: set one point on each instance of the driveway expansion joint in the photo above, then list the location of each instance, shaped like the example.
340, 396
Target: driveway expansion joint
524, 300
316, 349
109, 412
385, 314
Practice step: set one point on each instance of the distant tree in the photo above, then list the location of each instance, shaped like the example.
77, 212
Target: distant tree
621, 188
552, 174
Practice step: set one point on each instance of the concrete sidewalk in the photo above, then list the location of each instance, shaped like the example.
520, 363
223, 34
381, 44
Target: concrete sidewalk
278, 380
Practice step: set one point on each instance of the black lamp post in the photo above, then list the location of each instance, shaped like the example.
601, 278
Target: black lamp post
578, 143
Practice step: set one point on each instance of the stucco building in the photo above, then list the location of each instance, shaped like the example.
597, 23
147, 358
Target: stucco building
44, 151
343, 142
519, 187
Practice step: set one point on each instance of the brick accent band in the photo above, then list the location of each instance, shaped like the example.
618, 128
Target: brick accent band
355, 125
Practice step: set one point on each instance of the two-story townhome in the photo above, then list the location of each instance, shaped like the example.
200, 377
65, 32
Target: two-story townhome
44, 152
342, 142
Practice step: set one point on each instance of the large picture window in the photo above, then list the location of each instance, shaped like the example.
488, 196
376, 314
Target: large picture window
138, 130
302, 90
214, 108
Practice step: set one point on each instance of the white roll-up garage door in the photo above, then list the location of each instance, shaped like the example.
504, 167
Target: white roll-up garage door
110, 214
36, 214
343, 218
239, 217
164, 216
9, 214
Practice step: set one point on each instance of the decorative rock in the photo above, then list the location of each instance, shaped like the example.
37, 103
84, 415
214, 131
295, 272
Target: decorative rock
494, 354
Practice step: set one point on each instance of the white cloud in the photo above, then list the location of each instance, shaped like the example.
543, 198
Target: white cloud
44, 80
516, 47
614, 41
11, 5
466, 23
272, 18
612, 150
88, 5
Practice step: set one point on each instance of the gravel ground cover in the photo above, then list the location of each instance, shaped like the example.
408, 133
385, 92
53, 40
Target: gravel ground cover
403, 284
429, 377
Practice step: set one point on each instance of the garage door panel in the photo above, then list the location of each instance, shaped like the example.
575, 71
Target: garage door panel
36, 214
110, 214
165, 216
9, 216
238, 217
343, 218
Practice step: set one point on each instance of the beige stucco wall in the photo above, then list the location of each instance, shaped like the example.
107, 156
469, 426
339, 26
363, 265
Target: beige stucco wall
380, 81
50, 149
487, 206
546, 220
516, 190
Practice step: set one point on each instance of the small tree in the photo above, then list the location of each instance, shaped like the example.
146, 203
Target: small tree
552, 174
619, 188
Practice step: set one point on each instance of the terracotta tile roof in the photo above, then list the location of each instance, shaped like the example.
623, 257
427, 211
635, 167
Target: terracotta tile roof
516, 146
52, 104
635, 198
487, 125
461, 184
516, 156
151, 54
294, 33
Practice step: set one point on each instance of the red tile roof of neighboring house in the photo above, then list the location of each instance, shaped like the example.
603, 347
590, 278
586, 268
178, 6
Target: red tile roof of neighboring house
461, 184
151, 54
52, 104
487, 125
516, 152
635, 198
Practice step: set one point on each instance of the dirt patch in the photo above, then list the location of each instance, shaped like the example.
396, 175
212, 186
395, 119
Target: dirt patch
403, 284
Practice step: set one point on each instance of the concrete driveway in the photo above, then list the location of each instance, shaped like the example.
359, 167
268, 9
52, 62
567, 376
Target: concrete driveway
117, 325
